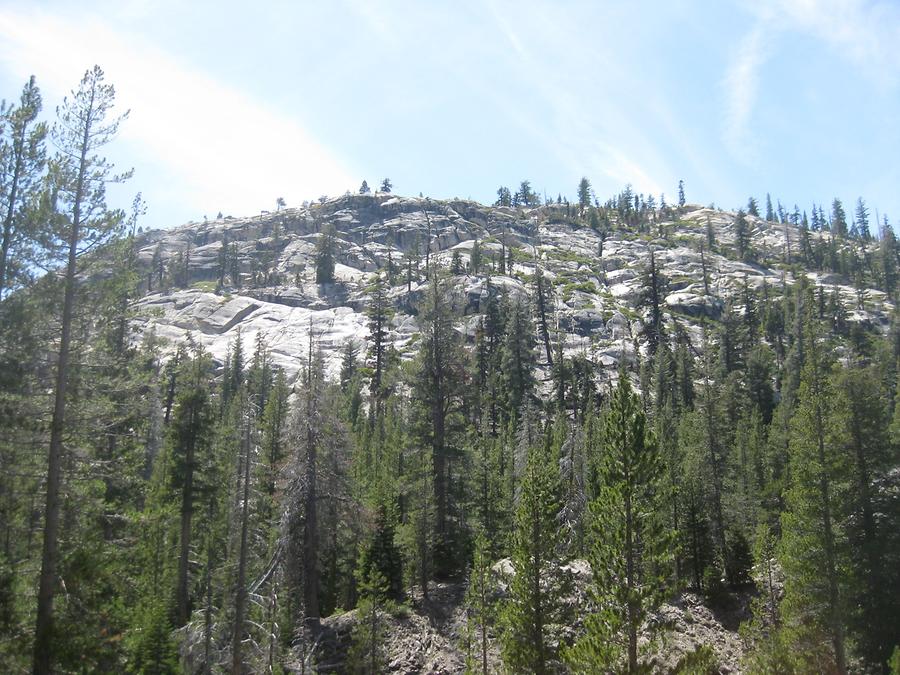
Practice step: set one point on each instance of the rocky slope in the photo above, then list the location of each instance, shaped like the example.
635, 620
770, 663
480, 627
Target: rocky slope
432, 636
270, 289
256, 277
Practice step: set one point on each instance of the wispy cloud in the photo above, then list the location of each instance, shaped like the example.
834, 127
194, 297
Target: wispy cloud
865, 32
599, 140
741, 86
222, 150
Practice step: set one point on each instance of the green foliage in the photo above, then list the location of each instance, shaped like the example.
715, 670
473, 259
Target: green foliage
325, 254
700, 661
811, 550
631, 545
367, 655
480, 609
381, 559
537, 585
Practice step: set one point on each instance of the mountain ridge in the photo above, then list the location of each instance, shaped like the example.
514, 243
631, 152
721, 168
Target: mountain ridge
271, 292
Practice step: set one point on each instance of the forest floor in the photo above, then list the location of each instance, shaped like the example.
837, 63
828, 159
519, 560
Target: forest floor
430, 635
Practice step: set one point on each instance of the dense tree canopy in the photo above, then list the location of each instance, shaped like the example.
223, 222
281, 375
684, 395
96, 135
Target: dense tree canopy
164, 508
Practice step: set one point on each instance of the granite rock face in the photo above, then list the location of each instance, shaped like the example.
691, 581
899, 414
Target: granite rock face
256, 276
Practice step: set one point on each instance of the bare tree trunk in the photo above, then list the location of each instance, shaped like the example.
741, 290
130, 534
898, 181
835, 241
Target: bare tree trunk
237, 663
182, 599
43, 632
310, 520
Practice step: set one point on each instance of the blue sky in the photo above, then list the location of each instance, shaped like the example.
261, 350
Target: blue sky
233, 107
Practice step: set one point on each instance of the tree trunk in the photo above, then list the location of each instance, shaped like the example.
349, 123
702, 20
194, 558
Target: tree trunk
182, 594
310, 521
11, 208
237, 662
43, 632
629, 585
837, 631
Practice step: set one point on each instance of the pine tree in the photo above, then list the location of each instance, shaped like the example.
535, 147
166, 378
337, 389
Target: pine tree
742, 237
536, 586
630, 551
810, 551
653, 295
517, 358
526, 195
367, 654
479, 614
838, 218
584, 196
188, 444
862, 429
81, 177
325, 250
456, 266
752, 207
22, 163
438, 393
862, 220
475, 259
541, 302
379, 314
681, 200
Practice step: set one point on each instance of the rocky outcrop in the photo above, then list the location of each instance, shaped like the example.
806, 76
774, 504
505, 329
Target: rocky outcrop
593, 299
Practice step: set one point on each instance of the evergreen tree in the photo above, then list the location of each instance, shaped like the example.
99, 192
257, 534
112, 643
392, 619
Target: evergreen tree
862, 429
536, 585
742, 237
630, 551
752, 207
862, 220
438, 388
681, 200
838, 218
367, 654
80, 177
456, 266
22, 163
653, 295
541, 301
379, 315
188, 446
479, 609
888, 254
386, 185
584, 196
526, 195
810, 552
517, 358
475, 259
325, 250
364, 189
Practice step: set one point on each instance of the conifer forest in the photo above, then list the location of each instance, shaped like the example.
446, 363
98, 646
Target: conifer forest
375, 433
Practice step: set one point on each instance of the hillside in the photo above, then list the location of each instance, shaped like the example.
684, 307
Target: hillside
389, 434
593, 304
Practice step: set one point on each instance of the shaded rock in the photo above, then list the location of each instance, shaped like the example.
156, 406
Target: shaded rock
694, 305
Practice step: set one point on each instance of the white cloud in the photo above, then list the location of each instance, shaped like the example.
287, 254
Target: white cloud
596, 140
741, 85
863, 31
222, 149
